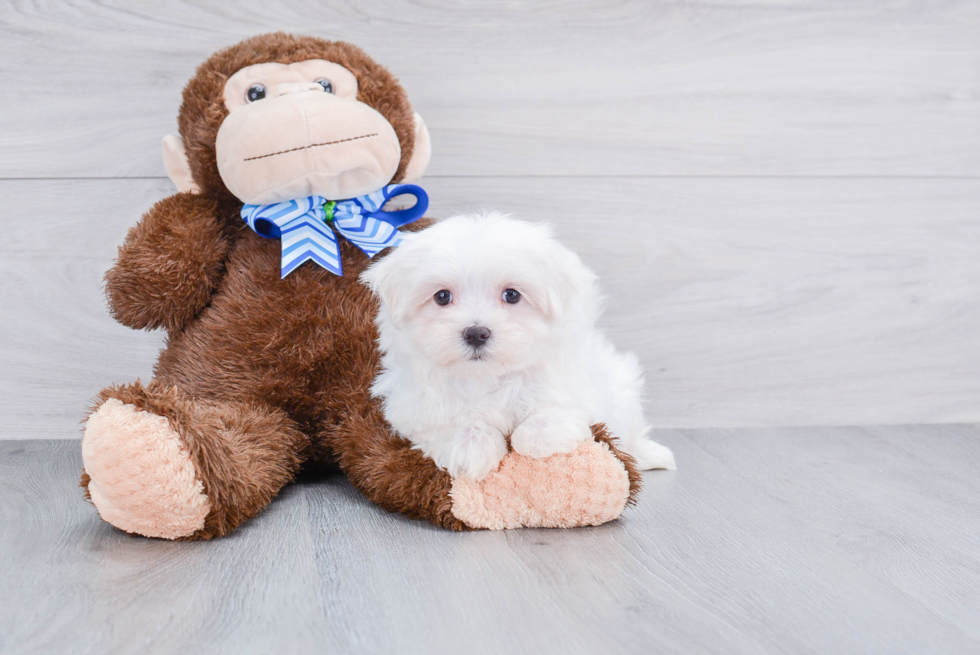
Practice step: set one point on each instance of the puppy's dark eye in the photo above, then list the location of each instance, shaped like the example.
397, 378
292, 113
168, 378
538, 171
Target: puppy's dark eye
255, 92
443, 297
325, 83
512, 296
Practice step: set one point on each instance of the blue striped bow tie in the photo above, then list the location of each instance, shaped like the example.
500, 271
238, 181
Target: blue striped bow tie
303, 225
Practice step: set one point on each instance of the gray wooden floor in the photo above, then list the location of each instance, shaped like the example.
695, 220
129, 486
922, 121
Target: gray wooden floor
783, 202
777, 540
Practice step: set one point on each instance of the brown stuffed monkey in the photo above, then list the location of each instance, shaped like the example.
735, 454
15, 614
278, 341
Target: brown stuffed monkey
269, 362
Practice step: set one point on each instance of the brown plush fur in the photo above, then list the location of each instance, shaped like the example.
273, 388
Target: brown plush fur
160, 250
261, 374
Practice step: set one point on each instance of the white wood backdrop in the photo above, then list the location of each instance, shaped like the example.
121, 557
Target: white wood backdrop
783, 198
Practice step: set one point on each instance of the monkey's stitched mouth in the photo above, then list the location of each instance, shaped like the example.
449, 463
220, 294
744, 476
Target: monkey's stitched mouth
313, 145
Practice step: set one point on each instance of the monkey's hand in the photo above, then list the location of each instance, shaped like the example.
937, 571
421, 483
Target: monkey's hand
169, 265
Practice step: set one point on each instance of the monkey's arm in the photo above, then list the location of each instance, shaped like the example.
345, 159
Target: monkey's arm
169, 265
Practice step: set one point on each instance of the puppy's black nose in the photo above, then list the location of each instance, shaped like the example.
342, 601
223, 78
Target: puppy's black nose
476, 335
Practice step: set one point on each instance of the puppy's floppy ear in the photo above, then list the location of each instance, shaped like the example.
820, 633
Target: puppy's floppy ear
568, 285
384, 277
377, 278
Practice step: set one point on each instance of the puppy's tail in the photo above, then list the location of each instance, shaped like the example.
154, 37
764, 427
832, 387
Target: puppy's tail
651, 455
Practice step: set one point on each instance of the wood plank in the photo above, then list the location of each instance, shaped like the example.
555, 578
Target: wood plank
873, 493
866, 87
749, 302
803, 540
73, 583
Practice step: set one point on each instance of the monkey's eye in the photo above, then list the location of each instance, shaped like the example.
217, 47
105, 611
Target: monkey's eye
255, 92
325, 83
512, 296
443, 297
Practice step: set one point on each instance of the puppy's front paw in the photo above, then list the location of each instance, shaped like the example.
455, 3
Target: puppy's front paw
472, 452
548, 431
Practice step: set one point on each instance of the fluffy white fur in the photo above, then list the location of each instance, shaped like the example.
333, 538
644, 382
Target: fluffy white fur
545, 374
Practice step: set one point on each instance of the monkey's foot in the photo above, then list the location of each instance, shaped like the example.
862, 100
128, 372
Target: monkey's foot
588, 486
139, 475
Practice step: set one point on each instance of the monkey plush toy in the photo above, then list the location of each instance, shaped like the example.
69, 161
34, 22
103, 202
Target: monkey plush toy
289, 146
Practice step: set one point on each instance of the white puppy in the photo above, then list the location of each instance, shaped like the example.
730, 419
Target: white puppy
488, 328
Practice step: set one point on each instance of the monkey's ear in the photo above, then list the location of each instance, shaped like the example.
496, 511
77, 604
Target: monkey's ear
178, 168
420, 153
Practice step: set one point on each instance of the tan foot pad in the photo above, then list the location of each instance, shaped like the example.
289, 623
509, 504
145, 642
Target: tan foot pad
588, 486
142, 478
